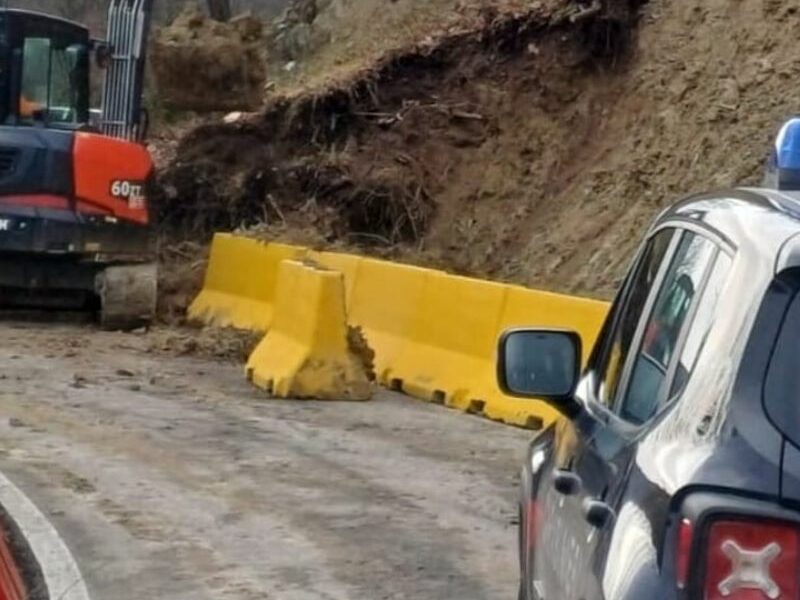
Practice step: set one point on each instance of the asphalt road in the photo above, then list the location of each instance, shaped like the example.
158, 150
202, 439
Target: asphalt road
169, 477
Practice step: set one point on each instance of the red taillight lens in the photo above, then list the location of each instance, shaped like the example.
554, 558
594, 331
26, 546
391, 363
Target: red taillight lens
532, 518
684, 549
752, 560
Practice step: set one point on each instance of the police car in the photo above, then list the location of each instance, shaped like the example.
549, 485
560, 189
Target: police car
674, 470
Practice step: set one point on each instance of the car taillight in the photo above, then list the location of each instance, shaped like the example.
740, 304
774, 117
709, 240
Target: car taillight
751, 560
533, 520
685, 535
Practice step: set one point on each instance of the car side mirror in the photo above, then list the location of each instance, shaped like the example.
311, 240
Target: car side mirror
540, 363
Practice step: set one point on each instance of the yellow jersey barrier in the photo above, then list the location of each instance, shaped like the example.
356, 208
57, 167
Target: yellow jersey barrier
240, 282
385, 302
449, 357
347, 264
306, 354
434, 334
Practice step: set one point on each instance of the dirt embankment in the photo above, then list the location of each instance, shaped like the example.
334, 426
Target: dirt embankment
533, 146
414, 156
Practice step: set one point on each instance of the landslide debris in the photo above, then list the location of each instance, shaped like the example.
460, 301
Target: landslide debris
199, 64
181, 270
358, 345
530, 143
222, 344
371, 160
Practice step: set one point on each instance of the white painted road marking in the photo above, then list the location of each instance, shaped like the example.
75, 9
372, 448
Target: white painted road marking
61, 573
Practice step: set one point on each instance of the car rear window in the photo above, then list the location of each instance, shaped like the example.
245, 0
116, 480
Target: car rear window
782, 384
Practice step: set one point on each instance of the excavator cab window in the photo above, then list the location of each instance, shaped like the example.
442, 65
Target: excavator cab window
53, 88
47, 71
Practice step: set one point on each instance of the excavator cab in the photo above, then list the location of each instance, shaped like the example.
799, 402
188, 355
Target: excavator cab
74, 214
44, 70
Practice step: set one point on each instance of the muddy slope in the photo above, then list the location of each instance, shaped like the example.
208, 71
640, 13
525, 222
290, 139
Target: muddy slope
533, 148
697, 109
398, 155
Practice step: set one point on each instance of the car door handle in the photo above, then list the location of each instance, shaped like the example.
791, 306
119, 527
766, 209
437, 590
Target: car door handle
597, 513
566, 482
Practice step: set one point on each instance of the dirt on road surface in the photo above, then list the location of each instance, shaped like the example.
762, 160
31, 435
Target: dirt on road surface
169, 477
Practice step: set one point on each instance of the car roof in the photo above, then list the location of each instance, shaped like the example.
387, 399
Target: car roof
752, 220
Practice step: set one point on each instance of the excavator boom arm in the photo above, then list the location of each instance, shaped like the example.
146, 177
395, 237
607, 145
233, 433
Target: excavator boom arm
128, 33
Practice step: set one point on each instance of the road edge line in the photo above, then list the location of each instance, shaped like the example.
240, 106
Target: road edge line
59, 569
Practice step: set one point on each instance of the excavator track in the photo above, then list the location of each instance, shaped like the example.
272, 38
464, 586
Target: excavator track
128, 295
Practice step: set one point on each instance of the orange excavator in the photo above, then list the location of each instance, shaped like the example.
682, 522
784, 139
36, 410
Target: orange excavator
74, 222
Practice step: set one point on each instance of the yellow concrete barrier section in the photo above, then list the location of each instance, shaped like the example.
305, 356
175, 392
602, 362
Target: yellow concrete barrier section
434, 334
347, 264
240, 282
451, 350
533, 308
305, 354
385, 303
448, 352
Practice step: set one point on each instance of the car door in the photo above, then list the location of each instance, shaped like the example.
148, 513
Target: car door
560, 531
649, 381
627, 383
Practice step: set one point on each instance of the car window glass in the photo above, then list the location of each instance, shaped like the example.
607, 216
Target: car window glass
662, 331
782, 383
701, 324
629, 312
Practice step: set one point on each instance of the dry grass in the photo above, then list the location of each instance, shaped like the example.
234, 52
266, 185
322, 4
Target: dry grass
349, 36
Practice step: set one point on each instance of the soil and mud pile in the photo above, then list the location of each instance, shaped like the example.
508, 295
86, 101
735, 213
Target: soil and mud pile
529, 143
203, 65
